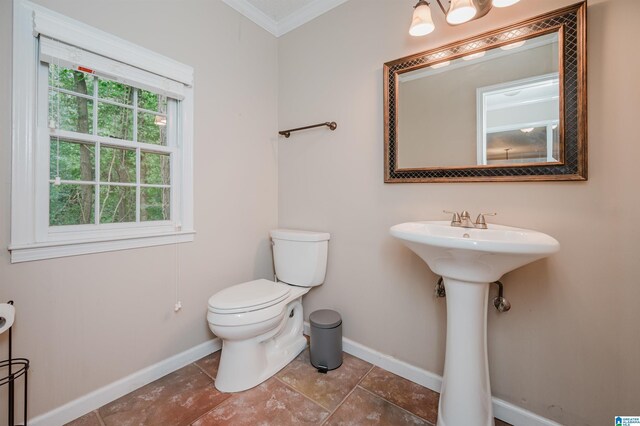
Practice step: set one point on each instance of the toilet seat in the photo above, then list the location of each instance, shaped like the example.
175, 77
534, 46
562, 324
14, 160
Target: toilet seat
248, 297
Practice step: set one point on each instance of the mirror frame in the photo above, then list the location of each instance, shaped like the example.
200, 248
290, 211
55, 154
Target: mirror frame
570, 24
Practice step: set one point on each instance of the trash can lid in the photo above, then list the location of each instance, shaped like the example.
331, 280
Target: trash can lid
325, 318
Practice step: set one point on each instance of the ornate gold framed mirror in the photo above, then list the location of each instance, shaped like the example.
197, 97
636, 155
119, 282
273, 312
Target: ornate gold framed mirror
506, 105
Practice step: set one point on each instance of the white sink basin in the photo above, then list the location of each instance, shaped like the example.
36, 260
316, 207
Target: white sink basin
468, 260
476, 255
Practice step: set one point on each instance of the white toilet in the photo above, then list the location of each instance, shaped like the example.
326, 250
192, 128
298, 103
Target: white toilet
260, 322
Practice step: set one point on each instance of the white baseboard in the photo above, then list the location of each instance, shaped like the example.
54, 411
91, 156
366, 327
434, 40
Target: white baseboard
517, 416
502, 410
96, 399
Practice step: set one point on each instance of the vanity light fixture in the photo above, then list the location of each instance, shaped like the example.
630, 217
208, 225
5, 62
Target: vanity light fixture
527, 129
421, 23
459, 12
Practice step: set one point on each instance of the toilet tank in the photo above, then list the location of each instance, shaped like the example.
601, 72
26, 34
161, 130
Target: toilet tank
300, 257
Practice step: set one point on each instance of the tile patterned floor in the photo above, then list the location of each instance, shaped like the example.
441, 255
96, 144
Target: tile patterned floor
355, 394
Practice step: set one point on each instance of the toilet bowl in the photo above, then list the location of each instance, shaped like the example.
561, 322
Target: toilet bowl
260, 322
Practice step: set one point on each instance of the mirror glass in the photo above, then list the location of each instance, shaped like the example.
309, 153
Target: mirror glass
506, 105
499, 106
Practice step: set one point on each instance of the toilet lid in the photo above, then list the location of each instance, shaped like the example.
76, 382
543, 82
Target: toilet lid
249, 296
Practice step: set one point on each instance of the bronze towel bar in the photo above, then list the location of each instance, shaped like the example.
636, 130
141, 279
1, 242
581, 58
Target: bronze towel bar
331, 125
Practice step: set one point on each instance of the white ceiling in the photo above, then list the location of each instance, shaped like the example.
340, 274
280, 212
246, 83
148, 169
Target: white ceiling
278, 9
281, 16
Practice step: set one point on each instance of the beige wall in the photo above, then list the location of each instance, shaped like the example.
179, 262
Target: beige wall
87, 321
569, 348
430, 133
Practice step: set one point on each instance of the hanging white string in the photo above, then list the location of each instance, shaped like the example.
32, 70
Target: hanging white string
56, 91
57, 180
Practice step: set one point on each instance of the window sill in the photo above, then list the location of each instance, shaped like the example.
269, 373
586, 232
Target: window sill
51, 250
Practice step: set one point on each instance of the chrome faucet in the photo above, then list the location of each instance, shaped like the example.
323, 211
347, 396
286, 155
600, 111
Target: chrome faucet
463, 220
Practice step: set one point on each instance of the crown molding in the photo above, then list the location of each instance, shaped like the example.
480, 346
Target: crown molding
306, 14
288, 23
254, 14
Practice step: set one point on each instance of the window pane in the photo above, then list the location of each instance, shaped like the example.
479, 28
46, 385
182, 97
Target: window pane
75, 81
70, 204
115, 121
76, 113
117, 165
115, 91
117, 204
71, 160
155, 168
152, 101
152, 128
155, 204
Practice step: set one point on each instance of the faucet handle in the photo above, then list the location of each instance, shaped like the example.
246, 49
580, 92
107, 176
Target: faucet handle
481, 222
455, 220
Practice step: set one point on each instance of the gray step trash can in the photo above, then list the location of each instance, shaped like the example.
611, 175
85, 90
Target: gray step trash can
326, 340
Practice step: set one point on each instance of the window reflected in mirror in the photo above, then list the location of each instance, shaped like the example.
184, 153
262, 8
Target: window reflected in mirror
518, 121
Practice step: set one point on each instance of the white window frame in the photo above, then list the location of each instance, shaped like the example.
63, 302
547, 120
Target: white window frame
31, 236
481, 114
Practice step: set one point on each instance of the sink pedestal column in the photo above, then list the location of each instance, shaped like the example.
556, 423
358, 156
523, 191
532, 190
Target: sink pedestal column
465, 397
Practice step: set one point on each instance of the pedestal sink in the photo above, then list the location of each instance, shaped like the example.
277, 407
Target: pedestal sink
470, 259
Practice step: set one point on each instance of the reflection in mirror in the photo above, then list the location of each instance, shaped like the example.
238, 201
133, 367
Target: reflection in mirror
497, 106
518, 121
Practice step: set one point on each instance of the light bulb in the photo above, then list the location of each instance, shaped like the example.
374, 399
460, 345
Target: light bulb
474, 56
504, 3
421, 23
513, 45
461, 11
441, 65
